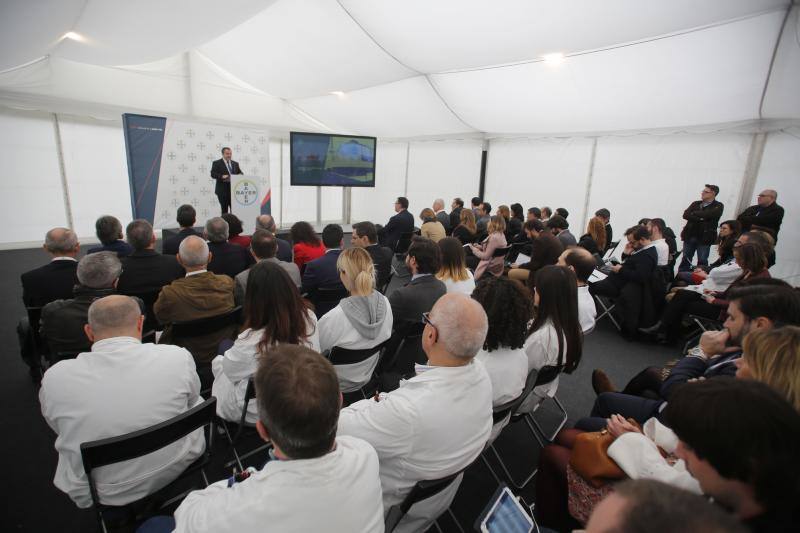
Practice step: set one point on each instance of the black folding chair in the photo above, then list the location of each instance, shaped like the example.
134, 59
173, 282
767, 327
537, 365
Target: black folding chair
103, 452
343, 356
40, 349
702, 324
385, 285
404, 348
325, 299
422, 490
148, 299
243, 427
607, 306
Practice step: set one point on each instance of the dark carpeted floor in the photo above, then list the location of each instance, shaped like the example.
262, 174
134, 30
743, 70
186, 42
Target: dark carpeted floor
28, 458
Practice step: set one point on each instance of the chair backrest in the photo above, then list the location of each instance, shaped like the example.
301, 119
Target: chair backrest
403, 242
407, 340
144, 441
34, 318
344, 356
501, 252
548, 373
249, 394
148, 299
204, 326
422, 490
501, 411
385, 285
325, 299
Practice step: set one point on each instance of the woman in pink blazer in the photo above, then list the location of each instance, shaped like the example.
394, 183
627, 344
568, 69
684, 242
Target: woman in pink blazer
485, 250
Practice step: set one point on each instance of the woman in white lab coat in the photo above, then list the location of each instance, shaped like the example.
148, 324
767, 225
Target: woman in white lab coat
454, 272
274, 313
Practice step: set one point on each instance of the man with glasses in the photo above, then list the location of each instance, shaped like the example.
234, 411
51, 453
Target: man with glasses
437, 423
766, 215
700, 231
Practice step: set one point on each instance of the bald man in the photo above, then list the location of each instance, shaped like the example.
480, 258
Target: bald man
437, 422
580, 261
120, 386
284, 248
766, 215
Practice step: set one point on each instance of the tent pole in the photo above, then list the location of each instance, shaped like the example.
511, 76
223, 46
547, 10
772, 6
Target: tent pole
408, 153
751, 169
280, 178
63, 172
589, 178
319, 205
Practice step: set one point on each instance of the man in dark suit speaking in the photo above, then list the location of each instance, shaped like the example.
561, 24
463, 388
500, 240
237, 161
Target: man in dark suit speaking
221, 171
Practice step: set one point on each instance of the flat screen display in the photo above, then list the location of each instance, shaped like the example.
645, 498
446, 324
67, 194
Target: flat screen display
322, 159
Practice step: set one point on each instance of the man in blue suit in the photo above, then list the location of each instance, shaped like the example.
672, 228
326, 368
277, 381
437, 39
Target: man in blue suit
402, 222
321, 273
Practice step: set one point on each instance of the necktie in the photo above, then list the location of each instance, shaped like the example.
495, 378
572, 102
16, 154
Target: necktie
228, 164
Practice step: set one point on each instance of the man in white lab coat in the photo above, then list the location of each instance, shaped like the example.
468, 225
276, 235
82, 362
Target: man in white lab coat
437, 422
120, 386
316, 481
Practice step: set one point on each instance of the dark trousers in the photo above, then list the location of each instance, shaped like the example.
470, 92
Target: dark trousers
615, 403
552, 490
685, 302
224, 198
690, 246
646, 384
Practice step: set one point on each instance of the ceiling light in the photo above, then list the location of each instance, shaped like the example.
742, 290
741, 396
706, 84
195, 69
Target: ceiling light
554, 59
73, 36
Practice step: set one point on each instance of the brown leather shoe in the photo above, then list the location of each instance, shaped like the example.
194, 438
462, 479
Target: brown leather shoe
601, 382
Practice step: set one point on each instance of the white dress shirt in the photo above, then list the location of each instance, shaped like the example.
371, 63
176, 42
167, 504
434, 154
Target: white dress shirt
662, 249
435, 424
587, 311
541, 347
120, 386
339, 491
232, 371
466, 286
336, 330
508, 371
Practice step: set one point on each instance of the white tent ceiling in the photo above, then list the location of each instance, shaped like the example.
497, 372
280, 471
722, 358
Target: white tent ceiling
409, 68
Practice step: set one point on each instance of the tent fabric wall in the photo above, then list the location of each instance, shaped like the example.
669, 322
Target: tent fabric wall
376, 204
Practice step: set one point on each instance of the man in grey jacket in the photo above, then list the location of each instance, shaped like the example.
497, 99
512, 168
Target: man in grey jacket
263, 247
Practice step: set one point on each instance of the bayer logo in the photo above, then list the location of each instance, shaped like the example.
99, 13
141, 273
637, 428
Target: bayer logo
246, 192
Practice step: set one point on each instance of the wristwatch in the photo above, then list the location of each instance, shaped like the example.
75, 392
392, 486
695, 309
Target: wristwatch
698, 352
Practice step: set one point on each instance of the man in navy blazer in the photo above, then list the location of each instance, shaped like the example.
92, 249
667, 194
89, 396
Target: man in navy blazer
402, 222
321, 273
221, 171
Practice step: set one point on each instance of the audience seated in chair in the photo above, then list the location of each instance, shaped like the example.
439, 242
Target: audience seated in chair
594, 240
436, 423
605, 216
235, 230
186, 218
321, 273
146, 270
306, 246
453, 271
455, 214
559, 226
366, 236
226, 258
120, 386
544, 250
509, 310
555, 337
418, 295
109, 231
62, 321
485, 251
466, 229
431, 227
362, 320
729, 232
263, 247
266, 222
200, 294
402, 222
483, 216
657, 228
582, 263
274, 314
316, 481
441, 214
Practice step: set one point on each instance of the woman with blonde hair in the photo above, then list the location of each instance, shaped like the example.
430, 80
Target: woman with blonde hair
454, 272
773, 357
360, 321
431, 227
594, 240
485, 250
467, 228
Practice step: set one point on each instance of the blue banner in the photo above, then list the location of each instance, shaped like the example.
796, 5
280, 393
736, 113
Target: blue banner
144, 141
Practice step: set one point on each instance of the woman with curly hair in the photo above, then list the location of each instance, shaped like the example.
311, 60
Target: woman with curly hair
305, 244
235, 230
509, 309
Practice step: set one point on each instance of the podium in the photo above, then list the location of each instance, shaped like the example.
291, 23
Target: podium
249, 199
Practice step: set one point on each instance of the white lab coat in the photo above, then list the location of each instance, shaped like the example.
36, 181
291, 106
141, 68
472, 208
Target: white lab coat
336, 330
435, 424
541, 347
508, 370
466, 286
587, 311
233, 370
662, 249
120, 386
338, 492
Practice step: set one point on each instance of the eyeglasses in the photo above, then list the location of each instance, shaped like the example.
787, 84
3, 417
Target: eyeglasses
426, 319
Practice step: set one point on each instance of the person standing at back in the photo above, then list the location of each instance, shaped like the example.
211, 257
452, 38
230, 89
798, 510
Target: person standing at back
766, 215
700, 231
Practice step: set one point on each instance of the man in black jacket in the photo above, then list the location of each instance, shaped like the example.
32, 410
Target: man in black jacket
146, 270
605, 215
221, 171
226, 258
402, 222
322, 272
365, 236
455, 212
641, 260
266, 222
418, 296
700, 231
56, 279
187, 217
766, 215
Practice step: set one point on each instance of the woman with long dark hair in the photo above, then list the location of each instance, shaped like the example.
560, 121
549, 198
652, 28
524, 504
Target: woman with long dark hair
274, 313
466, 230
306, 246
555, 337
453, 271
235, 230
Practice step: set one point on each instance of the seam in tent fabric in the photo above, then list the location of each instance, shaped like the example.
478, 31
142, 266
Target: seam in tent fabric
772, 60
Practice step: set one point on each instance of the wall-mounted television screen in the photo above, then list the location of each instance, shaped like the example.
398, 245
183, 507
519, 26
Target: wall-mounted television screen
339, 160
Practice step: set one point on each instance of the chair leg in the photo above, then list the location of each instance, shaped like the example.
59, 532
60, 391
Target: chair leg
517, 484
455, 520
489, 466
